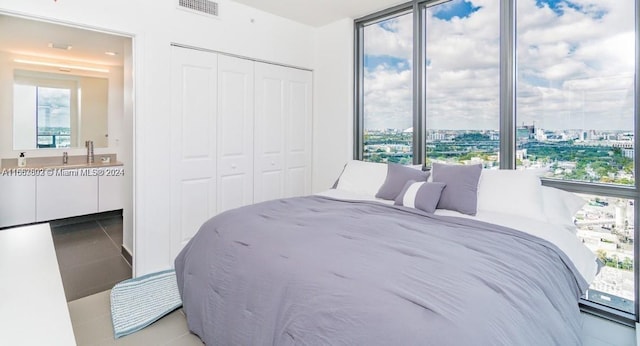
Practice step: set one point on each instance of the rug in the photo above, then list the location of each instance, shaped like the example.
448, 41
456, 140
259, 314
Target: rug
138, 302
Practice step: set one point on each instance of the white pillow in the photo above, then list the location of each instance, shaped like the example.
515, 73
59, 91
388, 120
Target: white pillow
560, 206
362, 177
516, 192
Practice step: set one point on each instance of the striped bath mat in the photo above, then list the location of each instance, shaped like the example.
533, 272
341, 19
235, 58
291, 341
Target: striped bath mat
138, 302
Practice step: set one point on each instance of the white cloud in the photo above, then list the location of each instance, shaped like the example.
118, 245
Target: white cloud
574, 70
397, 43
389, 99
576, 49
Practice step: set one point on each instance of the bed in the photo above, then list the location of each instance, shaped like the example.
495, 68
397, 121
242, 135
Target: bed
345, 267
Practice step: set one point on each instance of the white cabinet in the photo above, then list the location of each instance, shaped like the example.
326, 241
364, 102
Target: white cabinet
241, 133
110, 188
59, 193
68, 192
17, 200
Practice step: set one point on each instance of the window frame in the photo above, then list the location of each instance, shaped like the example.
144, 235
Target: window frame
507, 119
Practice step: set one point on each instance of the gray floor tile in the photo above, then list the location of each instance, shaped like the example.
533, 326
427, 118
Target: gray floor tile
89, 254
90, 307
113, 227
72, 253
96, 276
93, 331
74, 228
111, 221
99, 288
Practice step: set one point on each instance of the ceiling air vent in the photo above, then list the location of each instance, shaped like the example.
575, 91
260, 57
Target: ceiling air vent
201, 6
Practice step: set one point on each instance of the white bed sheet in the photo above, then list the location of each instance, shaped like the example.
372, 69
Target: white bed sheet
583, 258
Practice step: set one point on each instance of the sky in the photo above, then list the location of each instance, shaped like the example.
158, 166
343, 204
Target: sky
575, 66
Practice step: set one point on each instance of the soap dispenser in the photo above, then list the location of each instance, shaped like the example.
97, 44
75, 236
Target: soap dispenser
22, 161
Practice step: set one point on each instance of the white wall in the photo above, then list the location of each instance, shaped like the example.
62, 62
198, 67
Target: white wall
332, 102
155, 24
94, 105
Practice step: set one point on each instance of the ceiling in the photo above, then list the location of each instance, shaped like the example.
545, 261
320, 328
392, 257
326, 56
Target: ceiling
320, 12
31, 38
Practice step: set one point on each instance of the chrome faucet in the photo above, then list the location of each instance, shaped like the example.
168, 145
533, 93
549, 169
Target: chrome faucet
89, 145
65, 158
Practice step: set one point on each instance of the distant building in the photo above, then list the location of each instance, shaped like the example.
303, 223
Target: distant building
526, 132
521, 154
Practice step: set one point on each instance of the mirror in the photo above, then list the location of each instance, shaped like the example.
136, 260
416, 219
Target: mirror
60, 86
52, 110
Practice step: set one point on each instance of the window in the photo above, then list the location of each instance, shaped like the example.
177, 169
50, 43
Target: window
388, 90
575, 120
520, 84
59, 110
605, 225
462, 77
45, 111
53, 117
575, 100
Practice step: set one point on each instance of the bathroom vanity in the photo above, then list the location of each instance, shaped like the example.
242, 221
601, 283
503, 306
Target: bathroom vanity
46, 189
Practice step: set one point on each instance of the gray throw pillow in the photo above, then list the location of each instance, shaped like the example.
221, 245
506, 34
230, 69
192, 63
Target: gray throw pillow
397, 176
461, 192
420, 195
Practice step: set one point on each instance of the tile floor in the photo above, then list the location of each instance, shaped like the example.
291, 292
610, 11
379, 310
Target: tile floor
89, 254
91, 320
88, 250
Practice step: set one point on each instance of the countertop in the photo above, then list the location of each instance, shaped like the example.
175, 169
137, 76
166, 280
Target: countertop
55, 162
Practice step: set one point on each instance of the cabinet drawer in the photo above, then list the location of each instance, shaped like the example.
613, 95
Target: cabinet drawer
110, 188
69, 193
17, 200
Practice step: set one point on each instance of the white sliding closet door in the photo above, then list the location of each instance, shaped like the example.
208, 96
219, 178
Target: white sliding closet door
282, 132
193, 143
235, 132
298, 133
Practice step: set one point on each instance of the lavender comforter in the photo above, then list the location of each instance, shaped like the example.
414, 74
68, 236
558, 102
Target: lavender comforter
318, 271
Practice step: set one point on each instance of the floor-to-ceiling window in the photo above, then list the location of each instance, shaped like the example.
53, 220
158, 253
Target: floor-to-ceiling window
524, 84
575, 120
387, 87
575, 89
462, 81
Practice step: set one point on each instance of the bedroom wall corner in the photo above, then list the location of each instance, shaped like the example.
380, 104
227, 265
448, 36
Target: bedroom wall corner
332, 102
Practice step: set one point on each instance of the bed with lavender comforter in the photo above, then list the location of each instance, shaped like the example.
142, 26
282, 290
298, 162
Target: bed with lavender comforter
319, 271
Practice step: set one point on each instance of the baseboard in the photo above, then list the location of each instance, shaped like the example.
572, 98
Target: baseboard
128, 256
